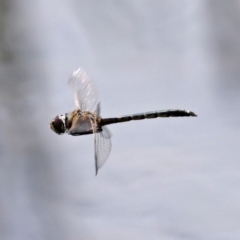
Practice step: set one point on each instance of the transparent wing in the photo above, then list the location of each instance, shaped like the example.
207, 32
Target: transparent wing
102, 146
98, 109
85, 93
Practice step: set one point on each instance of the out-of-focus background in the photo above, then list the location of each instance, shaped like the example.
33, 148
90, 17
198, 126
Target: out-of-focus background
169, 179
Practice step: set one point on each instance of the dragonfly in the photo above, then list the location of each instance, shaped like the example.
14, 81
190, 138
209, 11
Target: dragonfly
86, 118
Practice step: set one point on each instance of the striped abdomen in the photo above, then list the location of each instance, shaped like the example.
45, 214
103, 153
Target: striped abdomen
156, 114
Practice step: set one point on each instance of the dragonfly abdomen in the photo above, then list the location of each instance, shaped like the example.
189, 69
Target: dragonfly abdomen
148, 115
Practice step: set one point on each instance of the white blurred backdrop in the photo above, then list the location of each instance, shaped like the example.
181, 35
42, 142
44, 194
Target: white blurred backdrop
168, 179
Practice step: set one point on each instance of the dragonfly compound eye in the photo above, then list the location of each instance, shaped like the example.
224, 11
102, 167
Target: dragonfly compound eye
57, 125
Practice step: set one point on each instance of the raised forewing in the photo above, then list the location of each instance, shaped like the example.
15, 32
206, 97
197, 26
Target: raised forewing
102, 145
85, 93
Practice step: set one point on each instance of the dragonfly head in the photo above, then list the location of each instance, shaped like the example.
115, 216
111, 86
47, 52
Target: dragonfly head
58, 124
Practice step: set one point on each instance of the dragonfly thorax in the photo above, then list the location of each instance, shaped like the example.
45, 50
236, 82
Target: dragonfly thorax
82, 122
58, 124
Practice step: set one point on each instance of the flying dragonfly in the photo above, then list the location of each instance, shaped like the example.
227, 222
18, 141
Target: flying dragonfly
86, 118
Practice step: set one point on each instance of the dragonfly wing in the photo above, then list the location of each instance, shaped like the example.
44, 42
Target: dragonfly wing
102, 145
98, 109
85, 93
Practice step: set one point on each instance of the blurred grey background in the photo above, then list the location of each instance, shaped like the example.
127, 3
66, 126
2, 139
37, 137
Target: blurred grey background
166, 179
